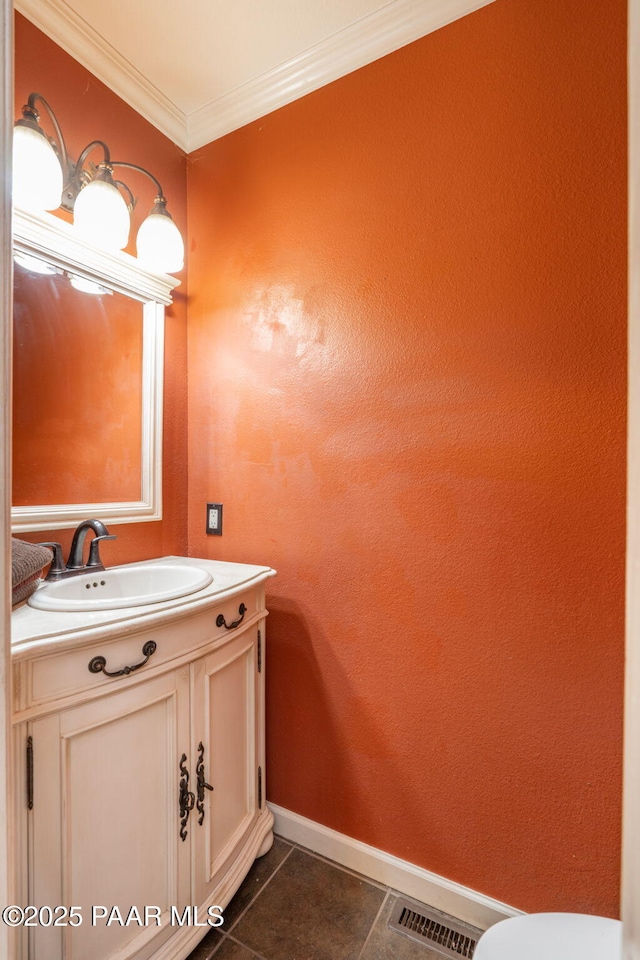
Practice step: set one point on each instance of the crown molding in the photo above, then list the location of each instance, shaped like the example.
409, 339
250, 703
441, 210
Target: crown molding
66, 28
394, 25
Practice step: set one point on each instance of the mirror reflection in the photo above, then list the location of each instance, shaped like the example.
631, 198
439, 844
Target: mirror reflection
88, 380
77, 389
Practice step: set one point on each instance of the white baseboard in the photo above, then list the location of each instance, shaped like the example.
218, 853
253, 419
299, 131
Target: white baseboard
429, 888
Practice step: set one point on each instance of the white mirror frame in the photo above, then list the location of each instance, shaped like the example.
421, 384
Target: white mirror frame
53, 239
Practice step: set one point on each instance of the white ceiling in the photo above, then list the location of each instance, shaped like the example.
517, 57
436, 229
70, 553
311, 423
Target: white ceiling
198, 69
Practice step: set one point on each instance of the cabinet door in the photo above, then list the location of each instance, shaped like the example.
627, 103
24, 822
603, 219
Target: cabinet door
105, 828
225, 716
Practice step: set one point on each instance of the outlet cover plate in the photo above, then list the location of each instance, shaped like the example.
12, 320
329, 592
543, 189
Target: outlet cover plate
214, 519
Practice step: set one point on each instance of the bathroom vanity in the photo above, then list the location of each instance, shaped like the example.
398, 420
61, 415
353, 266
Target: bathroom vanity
139, 752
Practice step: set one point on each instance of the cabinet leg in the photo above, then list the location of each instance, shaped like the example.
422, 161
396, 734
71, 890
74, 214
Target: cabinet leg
267, 843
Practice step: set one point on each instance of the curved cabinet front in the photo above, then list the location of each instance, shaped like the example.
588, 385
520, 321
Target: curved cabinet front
141, 800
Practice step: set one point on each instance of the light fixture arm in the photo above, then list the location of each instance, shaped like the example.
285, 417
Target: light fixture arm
134, 166
80, 177
87, 150
31, 116
122, 184
76, 177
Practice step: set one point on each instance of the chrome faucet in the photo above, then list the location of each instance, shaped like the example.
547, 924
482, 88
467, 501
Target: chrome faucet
75, 564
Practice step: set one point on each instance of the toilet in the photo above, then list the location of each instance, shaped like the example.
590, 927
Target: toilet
552, 936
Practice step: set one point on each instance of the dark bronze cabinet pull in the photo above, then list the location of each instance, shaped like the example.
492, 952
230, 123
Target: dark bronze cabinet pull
186, 797
98, 664
202, 783
221, 622
30, 773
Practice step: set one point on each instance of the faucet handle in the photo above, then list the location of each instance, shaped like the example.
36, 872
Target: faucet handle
57, 567
94, 550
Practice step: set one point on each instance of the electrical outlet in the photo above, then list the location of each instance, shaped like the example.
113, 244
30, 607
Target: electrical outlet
214, 519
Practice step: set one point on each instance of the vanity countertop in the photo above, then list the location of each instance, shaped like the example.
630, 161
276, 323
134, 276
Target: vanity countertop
31, 628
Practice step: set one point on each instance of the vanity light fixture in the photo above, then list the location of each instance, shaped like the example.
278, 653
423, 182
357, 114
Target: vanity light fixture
45, 178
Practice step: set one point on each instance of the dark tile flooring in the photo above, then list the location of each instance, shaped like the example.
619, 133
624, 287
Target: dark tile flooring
295, 905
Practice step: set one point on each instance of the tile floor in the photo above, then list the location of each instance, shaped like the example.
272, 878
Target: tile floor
295, 905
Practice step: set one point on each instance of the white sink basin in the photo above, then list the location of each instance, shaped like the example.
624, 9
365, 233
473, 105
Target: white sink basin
129, 586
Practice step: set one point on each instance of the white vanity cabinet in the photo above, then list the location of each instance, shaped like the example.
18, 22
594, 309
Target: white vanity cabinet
103, 828
146, 789
227, 706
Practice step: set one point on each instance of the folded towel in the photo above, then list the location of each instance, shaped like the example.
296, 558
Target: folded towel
27, 561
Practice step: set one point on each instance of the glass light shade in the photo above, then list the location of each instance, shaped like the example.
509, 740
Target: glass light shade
37, 174
100, 215
87, 286
34, 264
159, 243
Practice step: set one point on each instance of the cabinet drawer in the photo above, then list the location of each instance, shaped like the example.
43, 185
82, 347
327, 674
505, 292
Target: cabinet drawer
46, 679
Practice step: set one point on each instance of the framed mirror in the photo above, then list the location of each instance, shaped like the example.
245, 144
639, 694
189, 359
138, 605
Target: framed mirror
88, 357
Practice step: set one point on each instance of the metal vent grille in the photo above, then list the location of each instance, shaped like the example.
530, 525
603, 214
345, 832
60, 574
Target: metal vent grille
442, 933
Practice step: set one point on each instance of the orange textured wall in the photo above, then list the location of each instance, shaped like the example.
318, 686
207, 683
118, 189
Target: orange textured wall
407, 387
87, 110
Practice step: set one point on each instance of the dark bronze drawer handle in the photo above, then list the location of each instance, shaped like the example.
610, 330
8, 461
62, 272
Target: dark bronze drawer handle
221, 622
98, 664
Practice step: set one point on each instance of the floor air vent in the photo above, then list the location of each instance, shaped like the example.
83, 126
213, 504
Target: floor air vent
439, 932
